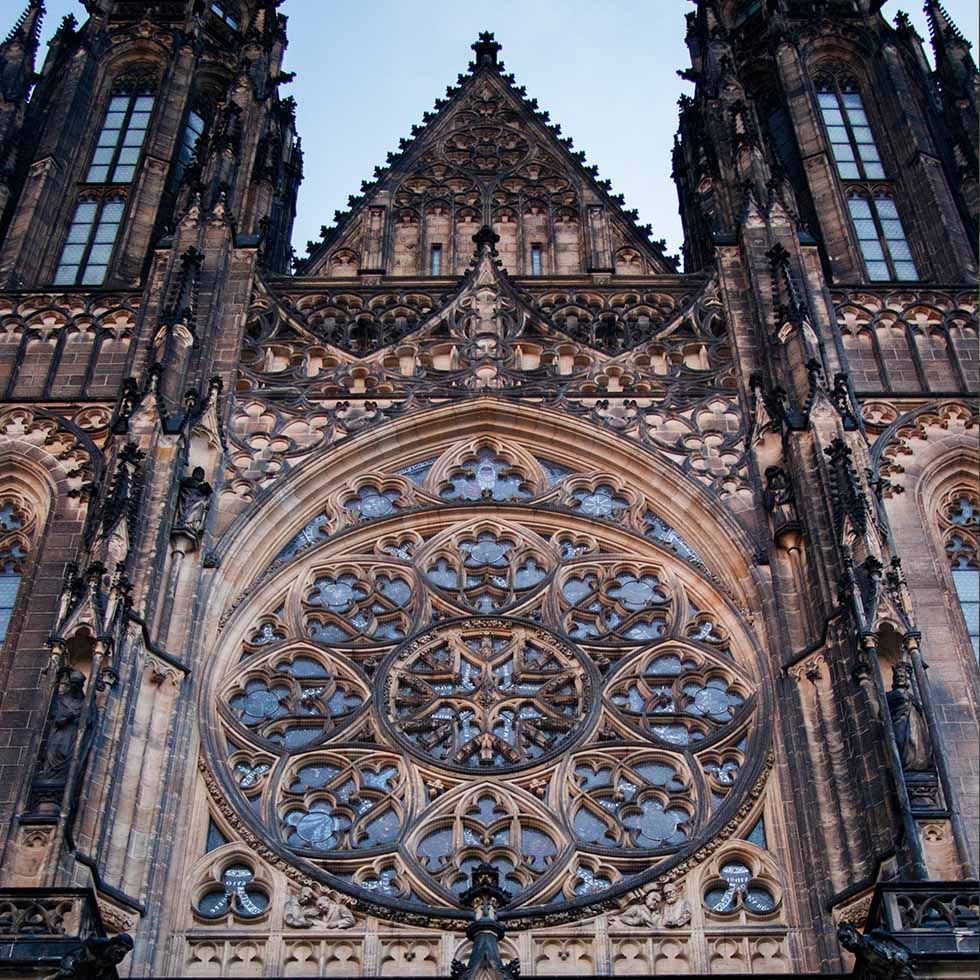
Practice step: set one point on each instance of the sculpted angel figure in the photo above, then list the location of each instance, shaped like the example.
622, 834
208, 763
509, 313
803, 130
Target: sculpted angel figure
645, 912
308, 909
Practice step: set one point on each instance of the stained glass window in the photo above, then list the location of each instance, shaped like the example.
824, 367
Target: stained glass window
849, 131
91, 239
12, 555
881, 236
963, 517
491, 673
193, 130
117, 151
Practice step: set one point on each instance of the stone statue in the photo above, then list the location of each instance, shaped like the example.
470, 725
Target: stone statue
643, 912
193, 500
878, 955
911, 731
677, 909
96, 958
65, 719
308, 909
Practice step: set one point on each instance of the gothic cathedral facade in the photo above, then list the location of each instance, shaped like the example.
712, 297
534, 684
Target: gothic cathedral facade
486, 589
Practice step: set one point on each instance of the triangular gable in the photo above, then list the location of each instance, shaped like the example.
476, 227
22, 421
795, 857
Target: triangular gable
486, 156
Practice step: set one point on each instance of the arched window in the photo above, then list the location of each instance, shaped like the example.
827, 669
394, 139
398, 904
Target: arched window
15, 523
87, 251
91, 238
961, 517
882, 238
848, 128
117, 151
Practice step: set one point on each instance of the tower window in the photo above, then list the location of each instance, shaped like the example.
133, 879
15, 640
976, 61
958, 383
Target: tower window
882, 238
535, 259
91, 237
849, 131
225, 10
435, 260
193, 130
120, 140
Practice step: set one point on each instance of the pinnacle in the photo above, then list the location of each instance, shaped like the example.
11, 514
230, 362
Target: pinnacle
486, 48
941, 25
28, 26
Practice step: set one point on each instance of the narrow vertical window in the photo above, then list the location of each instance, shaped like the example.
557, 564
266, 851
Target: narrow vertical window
849, 131
435, 260
192, 132
882, 238
963, 517
91, 238
12, 556
226, 11
120, 140
535, 259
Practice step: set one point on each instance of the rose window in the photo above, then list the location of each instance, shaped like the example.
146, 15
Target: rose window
487, 693
455, 674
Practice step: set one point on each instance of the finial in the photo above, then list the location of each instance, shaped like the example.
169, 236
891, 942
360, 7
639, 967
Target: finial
485, 896
486, 49
941, 25
27, 28
486, 240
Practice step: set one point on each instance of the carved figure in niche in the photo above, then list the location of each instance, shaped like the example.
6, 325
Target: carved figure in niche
193, 500
308, 909
66, 716
677, 909
644, 912
908, 722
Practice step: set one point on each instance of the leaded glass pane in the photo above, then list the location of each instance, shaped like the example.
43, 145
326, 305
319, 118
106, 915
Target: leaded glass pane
900, 250
862, 134
872, 250
94, 275
865, 228
874, 171
859, 207
886, 207
124, 174
878, 272
906, 270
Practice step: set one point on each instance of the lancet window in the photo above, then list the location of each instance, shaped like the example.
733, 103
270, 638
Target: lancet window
961, 518
98, 212
16, 523
848, 129
881, 237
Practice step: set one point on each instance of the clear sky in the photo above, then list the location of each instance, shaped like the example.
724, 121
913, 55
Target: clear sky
366, 71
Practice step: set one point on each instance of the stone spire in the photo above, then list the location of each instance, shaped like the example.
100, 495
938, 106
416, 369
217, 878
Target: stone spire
17, 54
959, 87
954, 63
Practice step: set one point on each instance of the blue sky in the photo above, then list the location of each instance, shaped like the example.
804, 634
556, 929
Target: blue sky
605, 71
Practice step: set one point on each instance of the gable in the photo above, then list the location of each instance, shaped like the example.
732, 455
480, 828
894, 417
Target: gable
486, 157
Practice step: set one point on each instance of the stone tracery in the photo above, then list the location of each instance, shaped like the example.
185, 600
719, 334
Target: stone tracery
376, 694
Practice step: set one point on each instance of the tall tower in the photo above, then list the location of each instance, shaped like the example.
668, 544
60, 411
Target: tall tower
821, 168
